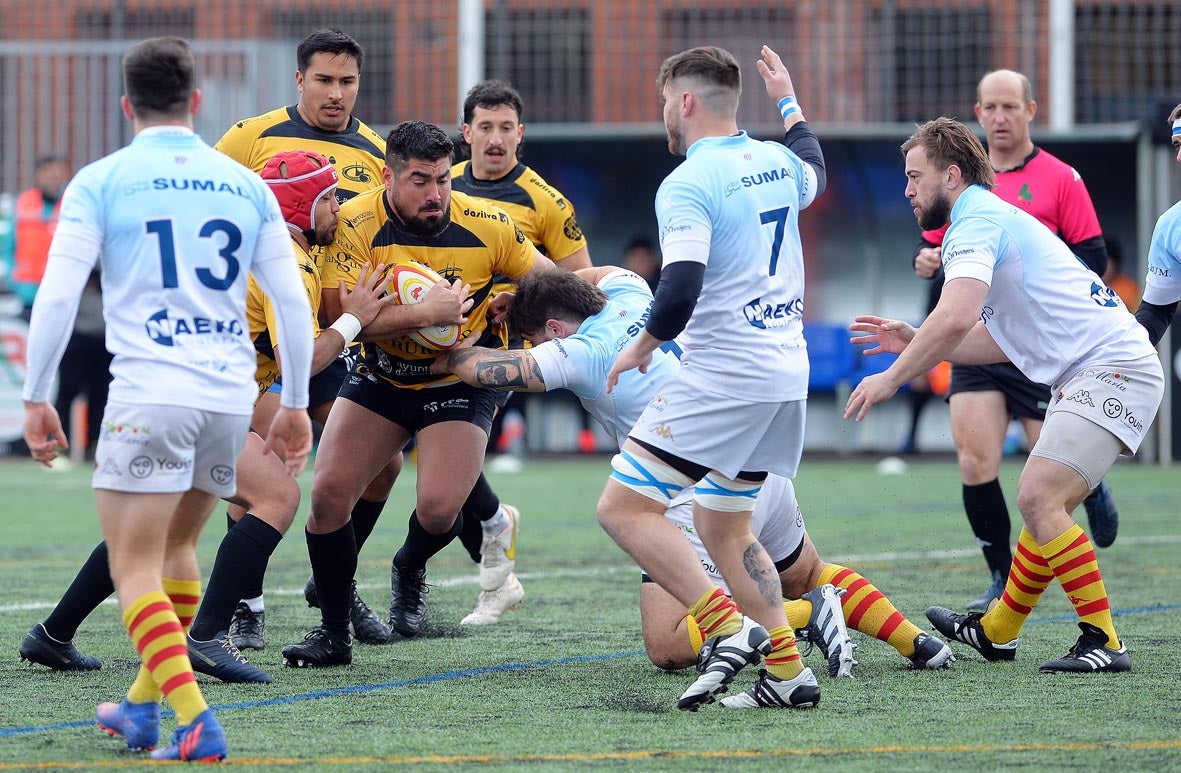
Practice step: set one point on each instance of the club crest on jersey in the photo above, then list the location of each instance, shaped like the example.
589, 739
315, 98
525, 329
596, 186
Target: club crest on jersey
166, 331
1103, 295
357, 173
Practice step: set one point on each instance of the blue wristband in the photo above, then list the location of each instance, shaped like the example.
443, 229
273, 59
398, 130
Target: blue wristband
789, 107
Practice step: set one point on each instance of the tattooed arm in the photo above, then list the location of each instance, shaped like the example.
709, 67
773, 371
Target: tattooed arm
514, 370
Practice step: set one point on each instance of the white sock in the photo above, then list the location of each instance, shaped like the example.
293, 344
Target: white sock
255, 604
496, 523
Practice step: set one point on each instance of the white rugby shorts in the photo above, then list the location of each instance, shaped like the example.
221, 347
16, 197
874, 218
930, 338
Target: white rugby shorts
163, 449
723, 432
1122, 398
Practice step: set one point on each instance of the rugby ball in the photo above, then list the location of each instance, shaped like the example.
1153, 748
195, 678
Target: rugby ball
411, 281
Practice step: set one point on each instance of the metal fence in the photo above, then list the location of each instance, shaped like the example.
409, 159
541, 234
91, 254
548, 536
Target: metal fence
585, 65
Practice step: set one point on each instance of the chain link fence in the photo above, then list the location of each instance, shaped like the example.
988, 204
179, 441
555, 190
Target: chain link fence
583, 66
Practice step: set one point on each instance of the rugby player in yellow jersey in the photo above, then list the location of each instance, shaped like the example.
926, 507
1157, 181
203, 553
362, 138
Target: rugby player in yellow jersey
328, 77
392, 395
493, 130
267, 497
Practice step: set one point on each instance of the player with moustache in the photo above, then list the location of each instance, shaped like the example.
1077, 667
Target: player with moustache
392, 396
493, 131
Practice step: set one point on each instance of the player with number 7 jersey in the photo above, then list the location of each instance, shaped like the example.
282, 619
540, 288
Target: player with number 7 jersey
734, 206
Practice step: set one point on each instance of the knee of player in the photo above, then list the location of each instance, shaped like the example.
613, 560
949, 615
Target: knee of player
279, 504
607, 515
437, 515
977, 463
332, 501
669, 661
667, 651
1038, 501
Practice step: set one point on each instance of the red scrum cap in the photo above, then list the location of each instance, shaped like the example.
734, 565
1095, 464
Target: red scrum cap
299, 178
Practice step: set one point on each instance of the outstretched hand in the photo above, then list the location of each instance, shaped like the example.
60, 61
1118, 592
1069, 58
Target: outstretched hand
889, 336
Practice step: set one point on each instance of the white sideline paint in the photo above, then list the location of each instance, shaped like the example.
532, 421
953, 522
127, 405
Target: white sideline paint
474, 579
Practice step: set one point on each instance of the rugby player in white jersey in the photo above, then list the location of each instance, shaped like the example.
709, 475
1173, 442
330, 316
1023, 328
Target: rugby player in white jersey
1014, 291
733, 282
177, 227
577, 324
1162, 286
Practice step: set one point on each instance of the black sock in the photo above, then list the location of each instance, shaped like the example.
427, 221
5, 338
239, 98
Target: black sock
240, 564
482, 503
334, 563
364, 517
91, 586
989, 517
420, 544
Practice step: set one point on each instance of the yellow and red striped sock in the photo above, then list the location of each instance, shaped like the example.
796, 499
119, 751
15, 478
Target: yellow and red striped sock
695, 637
784, 661
185, 596
1072, 557
157, 636
1029, 576
868, 610
799, 612
716, 614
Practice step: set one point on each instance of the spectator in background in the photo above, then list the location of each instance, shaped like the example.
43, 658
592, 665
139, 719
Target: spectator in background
640, 256
1127, 288
36, 217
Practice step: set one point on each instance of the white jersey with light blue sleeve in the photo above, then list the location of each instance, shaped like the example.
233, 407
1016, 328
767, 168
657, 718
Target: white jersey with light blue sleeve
1047, 311
734, 205
581, 362
1162, 286
178, 227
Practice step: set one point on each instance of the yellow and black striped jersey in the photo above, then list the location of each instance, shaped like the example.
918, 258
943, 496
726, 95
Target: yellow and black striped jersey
358, 152
260, 319
480, 243
545, 216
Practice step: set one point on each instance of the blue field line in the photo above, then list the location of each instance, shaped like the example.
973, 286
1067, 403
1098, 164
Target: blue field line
504, 668
354, 690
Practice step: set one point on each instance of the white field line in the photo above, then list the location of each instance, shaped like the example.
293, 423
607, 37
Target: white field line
473, 579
